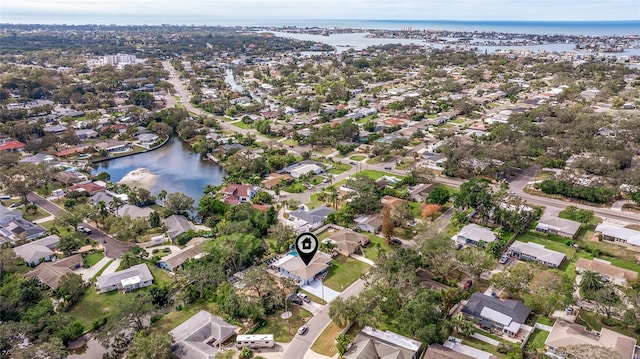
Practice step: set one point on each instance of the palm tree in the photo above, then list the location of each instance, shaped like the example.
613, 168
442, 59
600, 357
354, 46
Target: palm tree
162, 195
591, 282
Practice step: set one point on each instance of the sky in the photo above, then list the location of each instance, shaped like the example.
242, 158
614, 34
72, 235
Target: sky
207, 11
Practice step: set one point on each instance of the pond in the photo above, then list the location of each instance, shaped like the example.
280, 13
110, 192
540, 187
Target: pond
177, 167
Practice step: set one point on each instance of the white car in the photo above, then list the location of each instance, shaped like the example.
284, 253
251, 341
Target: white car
504, 259
304, 297
303, 329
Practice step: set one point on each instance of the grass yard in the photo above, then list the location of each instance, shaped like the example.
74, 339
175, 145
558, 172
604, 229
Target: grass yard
175, 318
548, 243
536, 341
40, 213
93, 306
242, 125
343, 272
376, 247
284, 330
326, 342
295, 187
93, 258
339, 168
160, 276
478, 344
290, 142
379, 174
357, 157
314, 201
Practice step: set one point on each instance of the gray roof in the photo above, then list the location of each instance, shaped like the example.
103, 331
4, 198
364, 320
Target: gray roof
134, 211
558, 224
192, 337
176, 225
177, 259
629, 235
313, 216
372, 343
538, 251
34, 251
477, 233
515, 309
108, 280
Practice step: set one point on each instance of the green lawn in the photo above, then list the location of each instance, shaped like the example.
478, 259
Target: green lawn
314, 201
478, 344
376, 247
339, 168
536, 341
93, 306
548, 243
343, 272
284, 330
290, 142
40, 213
357, 157
295, 187
325, 344
242, 125
175, 318
379, 174
103, 268
93, 258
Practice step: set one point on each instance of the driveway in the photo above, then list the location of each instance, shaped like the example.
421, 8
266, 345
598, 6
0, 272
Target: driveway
88, 273
321, 291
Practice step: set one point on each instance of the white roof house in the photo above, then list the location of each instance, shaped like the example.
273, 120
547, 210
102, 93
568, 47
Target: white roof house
200, 336
559, 226
475, 235
126, 280
537, 253
304, 169
619, 234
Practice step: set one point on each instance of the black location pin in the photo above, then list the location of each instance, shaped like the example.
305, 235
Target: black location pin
306, 246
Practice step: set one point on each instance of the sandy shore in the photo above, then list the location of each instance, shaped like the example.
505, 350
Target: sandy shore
140, 177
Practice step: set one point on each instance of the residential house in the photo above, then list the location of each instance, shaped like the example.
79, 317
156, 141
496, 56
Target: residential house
536, 253
305, 169
176, 260
502, 316
434, 159
125, 280
176, 225
68, 178
371, 224
134, 211
14, 227
475, 235
71, 151
38, 251
37, 158
50, 273
201, 336
147, 139
84, 134
238, 193
56, 129
292, 266
573, 341
10, 145
307, 220
275, 179
372, 343
616, 275
112, 146
420, 192
560, 226
91, 188
347, 241
454, 349
392, 202
618, 235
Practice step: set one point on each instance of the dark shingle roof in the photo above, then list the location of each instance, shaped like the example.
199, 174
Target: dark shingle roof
512, 308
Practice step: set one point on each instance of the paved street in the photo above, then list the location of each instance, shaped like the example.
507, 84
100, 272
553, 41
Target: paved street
302, 343
113, 248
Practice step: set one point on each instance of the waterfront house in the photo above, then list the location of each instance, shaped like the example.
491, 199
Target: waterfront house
125, 280
503, 316
112, 146
536, 253
201, 336
176, 225
238, 193
475, 235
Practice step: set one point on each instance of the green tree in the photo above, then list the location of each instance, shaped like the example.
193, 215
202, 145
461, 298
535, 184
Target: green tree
516, 281
342, 343
150, 345
68, 245
127, 314
476, 261
179, 203
70, 288
439, 195
591, 283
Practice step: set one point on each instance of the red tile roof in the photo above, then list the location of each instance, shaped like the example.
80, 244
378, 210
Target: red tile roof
11, 145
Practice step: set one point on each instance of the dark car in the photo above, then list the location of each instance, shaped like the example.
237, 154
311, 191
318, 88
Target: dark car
395, 241
468, 284
295, 299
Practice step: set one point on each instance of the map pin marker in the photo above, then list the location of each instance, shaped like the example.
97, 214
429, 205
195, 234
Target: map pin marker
307, 245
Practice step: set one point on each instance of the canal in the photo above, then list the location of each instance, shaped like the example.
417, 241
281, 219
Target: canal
177, 167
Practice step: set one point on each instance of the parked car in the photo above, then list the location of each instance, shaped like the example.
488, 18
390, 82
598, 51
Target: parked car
304, 297
387, 168
395, 241
83, 229
504, 259
468, 284
295, 300
303, 329
352, 163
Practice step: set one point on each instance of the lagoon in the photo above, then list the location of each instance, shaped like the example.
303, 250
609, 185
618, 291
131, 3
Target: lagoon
177, 167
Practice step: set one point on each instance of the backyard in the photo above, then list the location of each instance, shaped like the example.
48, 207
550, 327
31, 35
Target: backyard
284, 330
343, 272
325, 344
